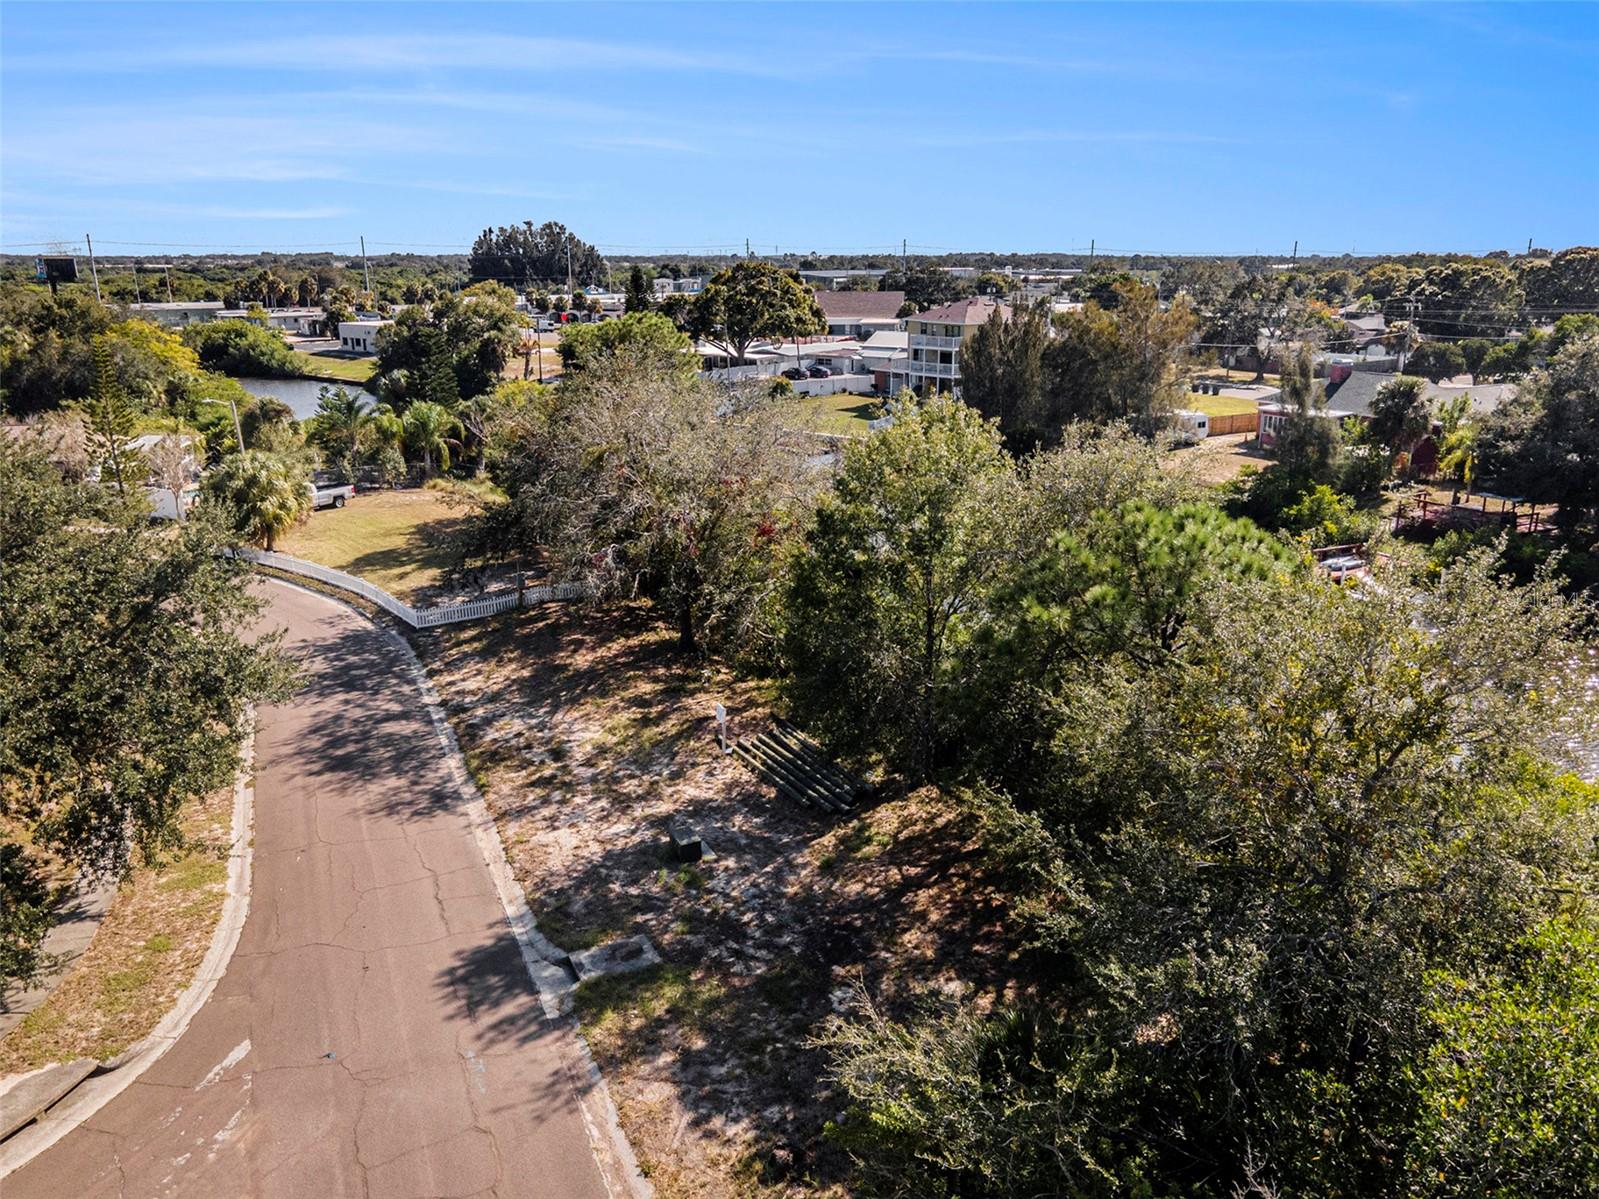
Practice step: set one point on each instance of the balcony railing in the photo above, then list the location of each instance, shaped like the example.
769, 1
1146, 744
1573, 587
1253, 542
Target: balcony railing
928, 342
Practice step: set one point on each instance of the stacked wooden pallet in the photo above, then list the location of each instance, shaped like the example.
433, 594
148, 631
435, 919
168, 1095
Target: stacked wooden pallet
798, 768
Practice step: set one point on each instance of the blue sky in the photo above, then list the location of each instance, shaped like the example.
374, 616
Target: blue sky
1221, 128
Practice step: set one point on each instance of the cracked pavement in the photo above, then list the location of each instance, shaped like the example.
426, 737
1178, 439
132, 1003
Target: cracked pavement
376, 1033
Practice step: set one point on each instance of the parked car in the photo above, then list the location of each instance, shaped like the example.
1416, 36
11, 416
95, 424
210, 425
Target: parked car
819, 372
795, 373
330, 495
1344, 567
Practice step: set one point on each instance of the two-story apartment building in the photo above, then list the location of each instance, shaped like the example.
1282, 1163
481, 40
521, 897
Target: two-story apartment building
935, 339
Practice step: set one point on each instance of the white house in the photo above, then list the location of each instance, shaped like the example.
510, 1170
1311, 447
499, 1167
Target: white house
361, 337
177, 315
305, 321
841, 357
167, 502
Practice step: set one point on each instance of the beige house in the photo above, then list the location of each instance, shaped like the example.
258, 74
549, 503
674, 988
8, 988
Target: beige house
935, 339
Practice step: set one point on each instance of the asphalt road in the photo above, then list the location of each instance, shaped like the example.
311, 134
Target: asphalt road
376, 1033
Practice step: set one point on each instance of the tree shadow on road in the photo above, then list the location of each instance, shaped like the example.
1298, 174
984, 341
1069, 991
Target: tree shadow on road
364, 724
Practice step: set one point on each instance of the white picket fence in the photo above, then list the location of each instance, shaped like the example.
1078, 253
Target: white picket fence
417, 618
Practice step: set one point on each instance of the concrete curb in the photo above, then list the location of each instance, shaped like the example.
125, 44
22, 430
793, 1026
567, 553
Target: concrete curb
545, 961
122, 1071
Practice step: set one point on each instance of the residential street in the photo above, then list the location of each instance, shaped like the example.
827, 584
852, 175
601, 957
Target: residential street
376, 1032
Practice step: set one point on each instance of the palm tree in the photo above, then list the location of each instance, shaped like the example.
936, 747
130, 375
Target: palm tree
267, 495
269, 285
1401, 415
1458, 457
387, 427
1457, 450
341, 419
430, 430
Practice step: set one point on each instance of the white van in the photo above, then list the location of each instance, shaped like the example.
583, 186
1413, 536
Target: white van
1190, 427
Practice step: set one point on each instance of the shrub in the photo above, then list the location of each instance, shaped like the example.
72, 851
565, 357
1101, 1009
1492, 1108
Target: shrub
241, 348
1325, 517
1509, 1092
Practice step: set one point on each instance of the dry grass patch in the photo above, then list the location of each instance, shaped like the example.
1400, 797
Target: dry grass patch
398, 540
143, 956
593, 735
1217, 459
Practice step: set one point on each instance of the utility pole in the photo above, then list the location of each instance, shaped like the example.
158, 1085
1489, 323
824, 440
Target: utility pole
137, 298
1293, 259
95, 273
747, 252
569, 266
366, 267
1090, 256
904, 256
169, 282
1529, 251
238, 430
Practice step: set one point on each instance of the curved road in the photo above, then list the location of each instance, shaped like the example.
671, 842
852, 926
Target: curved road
376, 1033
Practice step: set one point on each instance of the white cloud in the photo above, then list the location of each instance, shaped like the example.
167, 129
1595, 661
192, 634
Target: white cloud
185, 144
957, 141
321, 51
667, 144
399, 52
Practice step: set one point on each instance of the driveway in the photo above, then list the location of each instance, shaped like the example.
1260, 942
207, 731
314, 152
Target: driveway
376, 1032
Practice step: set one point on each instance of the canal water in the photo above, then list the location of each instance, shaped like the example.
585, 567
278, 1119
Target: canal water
299, 394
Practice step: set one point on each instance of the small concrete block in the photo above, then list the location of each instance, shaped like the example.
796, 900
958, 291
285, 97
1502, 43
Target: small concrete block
26, 1097
615, 957
686, 844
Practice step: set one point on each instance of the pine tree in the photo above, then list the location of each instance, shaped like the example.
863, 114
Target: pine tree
110, 422
437, 384
639, 297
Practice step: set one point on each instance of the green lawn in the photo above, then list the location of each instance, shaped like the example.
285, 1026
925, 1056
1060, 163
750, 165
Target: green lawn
1219, 405
342, 370
841, 413
395, 539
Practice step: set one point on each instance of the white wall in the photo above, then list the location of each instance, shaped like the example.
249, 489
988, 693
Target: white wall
833, 384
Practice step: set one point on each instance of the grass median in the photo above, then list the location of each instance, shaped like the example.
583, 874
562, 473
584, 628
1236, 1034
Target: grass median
143, 956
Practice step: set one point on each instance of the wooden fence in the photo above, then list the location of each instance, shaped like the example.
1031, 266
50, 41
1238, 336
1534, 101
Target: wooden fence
417, 618
1235, 422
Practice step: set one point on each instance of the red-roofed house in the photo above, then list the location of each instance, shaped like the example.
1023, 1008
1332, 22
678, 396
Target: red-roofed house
859, 314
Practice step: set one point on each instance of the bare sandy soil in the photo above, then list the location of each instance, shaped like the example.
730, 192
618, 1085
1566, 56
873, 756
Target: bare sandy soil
1218, 459
592, 735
